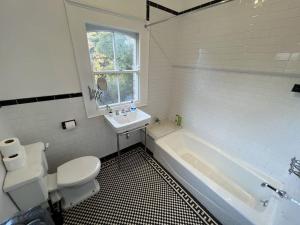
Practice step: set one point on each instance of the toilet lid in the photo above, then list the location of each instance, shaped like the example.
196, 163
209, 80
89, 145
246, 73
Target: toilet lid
78, 171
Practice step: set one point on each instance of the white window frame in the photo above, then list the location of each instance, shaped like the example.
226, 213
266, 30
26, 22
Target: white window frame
78, 17
136, 63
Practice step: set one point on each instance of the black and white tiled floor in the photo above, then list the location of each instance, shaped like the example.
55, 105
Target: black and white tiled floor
137, 190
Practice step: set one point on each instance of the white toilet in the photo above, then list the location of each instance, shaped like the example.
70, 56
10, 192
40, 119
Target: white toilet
31, 186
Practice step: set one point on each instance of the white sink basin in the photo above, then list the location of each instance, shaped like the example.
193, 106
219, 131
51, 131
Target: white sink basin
128, 121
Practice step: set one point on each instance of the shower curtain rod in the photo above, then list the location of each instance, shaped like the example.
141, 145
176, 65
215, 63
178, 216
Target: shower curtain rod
175, 13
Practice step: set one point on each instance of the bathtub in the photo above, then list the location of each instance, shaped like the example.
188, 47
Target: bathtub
230, 189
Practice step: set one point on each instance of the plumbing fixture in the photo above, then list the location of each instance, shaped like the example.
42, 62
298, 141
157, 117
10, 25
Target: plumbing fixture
281, 193
295, 167
265, 203
108, 108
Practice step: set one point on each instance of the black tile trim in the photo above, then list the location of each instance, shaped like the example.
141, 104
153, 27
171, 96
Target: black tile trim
151, 159
8, 102
38, 99
296, 88
26, 100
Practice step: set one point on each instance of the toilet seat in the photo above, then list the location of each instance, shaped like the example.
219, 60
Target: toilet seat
78, 171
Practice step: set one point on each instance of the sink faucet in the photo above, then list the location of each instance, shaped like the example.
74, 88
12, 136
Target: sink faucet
281, 193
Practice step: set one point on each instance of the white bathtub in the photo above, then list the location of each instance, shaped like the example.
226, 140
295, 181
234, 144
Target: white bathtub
229, 188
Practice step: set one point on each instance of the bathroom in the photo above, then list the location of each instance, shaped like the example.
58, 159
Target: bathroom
212, 85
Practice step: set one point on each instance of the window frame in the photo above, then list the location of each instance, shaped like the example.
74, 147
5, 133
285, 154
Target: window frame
78, 17
116, 71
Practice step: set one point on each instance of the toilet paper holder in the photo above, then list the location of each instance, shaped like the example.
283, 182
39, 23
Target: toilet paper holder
64, 123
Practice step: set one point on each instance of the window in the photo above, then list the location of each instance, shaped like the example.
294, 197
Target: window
113, 49
114, 57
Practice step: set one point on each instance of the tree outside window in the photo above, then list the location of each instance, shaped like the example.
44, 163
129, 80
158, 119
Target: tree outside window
114, 56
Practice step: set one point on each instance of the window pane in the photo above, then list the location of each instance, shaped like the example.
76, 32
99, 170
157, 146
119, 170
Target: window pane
125, 51
110, 96
101, 50
128, 87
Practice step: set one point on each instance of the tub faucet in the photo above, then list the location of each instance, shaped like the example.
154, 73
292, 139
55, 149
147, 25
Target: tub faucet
295, 167
281, 193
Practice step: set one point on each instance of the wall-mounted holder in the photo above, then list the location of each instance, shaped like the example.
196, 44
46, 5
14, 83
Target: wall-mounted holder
68, 125
296, 88
295, 167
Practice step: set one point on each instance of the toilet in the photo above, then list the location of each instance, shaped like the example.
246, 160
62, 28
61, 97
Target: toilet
31, 185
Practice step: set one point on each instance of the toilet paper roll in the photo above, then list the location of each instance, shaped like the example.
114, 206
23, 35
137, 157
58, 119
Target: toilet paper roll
70, 125
15, 162
10, 146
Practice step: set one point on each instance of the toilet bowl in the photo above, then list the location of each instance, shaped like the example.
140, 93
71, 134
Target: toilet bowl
74, 181
31, 185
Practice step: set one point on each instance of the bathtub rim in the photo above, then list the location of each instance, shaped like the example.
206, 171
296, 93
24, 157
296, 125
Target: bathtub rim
249, 213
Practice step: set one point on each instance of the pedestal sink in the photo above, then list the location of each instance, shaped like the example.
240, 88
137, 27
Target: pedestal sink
128, 121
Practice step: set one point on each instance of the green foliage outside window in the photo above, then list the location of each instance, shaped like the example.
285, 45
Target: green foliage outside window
114, 52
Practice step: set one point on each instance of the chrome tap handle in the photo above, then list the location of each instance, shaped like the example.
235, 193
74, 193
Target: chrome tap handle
295, 167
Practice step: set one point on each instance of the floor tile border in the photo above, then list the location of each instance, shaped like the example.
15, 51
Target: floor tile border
192, 203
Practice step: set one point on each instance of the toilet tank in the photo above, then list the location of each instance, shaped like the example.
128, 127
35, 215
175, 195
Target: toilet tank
28, 186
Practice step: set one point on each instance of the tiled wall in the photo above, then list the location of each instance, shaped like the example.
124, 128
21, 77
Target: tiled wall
232, 78
255, 35
42, 122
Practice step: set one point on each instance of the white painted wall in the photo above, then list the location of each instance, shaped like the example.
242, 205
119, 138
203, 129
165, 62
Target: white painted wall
36, 55
45, 22
7, 208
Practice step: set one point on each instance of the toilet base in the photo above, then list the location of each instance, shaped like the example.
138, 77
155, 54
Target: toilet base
74, 195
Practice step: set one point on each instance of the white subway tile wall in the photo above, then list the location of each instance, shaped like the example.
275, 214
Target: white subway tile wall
232, 77
243, 35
